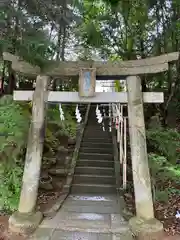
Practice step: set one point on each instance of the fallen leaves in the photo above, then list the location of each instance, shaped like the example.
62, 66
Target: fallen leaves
165, 212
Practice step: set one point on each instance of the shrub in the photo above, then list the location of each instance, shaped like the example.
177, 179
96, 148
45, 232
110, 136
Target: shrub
67, 127
165, 143
14, 124
165, 177
14, 127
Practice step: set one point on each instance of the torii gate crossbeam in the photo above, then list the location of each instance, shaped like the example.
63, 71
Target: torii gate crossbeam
100, 97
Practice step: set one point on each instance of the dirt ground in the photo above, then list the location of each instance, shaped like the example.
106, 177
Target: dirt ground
177, 237
4, 234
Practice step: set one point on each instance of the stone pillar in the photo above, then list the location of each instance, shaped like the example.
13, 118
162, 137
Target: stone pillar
140, 168
27, 218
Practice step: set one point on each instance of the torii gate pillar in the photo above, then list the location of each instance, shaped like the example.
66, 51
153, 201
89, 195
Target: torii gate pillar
144, 225
26, 219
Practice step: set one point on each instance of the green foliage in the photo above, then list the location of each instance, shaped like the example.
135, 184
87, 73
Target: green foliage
112, 2
35, 50
162, 169
67, 127
165, 177
11, 178
156, 163
165, 143
162, 196
118, 86
14, 126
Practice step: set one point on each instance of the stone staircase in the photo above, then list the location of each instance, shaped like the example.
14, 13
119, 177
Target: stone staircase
94, 172
92, 210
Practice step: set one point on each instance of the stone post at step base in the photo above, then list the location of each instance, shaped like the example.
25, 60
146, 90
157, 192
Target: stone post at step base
27, 219
144, 226
146, 229
25, 223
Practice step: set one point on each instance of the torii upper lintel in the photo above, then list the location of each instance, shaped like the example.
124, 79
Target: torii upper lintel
71, 68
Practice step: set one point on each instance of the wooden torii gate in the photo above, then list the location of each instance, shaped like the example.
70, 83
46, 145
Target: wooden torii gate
129, 70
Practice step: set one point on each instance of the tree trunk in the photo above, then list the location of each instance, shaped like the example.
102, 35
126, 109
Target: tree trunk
11, 79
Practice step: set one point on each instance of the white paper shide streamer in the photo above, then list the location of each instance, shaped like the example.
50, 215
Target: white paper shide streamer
98, 115
178, 215
61, 113
103, 127
104, 115
78, 115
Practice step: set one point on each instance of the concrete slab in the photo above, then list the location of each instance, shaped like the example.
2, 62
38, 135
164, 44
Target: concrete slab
51, 223
99, 208
92, 197
42, 234
118, 224
66, 235
106, 236
85, 222
91, 204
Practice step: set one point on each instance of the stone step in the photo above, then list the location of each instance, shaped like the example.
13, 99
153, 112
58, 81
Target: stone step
93, 199
89, 208
95, 163
97, 140
100, 156
92, 223
97, 145
97, 127
93, 188
94, 116
79, 235
96, 150
100, 132
94, 127
95, 135
94, 124
89, 178
109, 198
95, 171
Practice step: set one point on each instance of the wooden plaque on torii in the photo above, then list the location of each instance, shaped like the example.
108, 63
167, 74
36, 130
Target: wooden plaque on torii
87, 82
